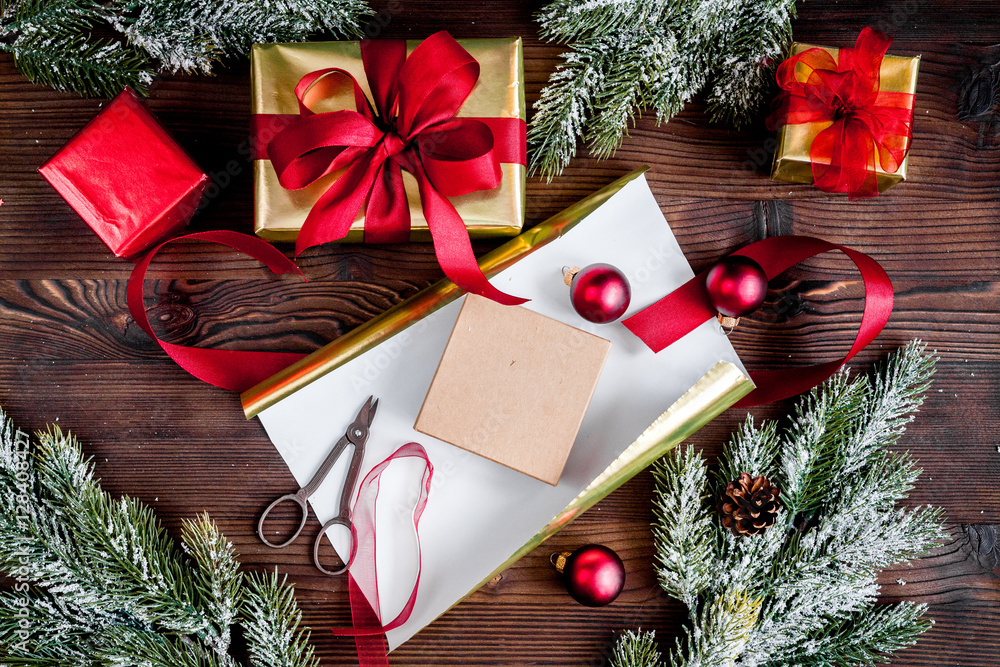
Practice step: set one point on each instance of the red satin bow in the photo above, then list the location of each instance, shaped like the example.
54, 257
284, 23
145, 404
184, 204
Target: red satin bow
413, 127
866, 124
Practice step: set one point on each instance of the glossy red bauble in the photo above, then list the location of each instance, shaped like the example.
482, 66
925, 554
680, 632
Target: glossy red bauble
736, 285
594, 574
600, 293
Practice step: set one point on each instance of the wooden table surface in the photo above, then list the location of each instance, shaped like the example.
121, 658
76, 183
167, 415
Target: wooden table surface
69, 352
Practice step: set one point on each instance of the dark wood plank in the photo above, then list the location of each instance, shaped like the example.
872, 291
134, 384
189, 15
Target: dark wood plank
812, 312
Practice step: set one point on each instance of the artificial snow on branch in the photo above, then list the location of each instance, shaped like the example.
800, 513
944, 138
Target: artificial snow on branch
627, 56
99, 582
53, 41
804, 592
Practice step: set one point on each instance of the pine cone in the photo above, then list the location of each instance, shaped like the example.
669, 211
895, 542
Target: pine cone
749, 505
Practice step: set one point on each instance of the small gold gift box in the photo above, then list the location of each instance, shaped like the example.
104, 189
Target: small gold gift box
791, 156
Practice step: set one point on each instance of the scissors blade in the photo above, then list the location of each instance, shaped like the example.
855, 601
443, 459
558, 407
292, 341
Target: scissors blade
357, 435
358, 431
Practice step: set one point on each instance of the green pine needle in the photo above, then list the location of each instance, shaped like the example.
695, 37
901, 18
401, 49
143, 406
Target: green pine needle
805, 592
98, 582
685, 539
753, 451
76, 63
53, 41
636, 649
628, 56
271, 621
868, 637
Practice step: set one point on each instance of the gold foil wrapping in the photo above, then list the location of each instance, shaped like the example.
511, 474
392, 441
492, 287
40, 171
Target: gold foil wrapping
499, 93
716, 391
791, 157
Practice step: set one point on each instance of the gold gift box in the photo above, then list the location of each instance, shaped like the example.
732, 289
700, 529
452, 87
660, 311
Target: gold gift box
499, 93
791, 158
721, 387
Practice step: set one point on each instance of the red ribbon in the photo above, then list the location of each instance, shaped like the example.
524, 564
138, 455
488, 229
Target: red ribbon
413, 127
689, 306
369, 631
866, 124
236, 370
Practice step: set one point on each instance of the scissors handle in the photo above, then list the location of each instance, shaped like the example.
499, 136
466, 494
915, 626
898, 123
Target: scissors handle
342, 520
300, 500
325, 467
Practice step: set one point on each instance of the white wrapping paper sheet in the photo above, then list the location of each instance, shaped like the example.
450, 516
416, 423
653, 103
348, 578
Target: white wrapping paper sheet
479, 512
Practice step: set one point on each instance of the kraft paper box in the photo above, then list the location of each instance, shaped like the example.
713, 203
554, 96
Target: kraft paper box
791, 157
481, 516
513, 386
499, 93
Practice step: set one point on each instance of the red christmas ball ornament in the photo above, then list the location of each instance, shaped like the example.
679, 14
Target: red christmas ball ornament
594, 574
600, 293
736, 285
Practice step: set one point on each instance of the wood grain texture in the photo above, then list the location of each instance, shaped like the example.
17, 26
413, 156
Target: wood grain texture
70, 353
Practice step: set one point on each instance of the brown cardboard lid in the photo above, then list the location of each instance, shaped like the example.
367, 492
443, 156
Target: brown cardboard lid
513, 386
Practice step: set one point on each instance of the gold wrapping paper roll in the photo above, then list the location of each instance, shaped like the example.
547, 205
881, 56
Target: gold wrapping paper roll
499, 93
791, 156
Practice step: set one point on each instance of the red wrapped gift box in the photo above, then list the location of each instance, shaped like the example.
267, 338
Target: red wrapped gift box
126, 177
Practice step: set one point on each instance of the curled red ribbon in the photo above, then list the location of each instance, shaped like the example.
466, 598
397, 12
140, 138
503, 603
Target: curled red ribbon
369, 631
689, 306
236, 370
413, 127
866, 124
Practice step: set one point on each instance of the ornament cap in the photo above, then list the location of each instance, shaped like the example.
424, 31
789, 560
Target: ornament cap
559, 560
728, 323
569, 272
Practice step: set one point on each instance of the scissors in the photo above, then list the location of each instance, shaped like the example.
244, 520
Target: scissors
357, 435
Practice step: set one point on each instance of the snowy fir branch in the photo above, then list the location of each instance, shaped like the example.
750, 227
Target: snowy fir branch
99, 582
271, 624
627, 56
55, 42
804, 593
